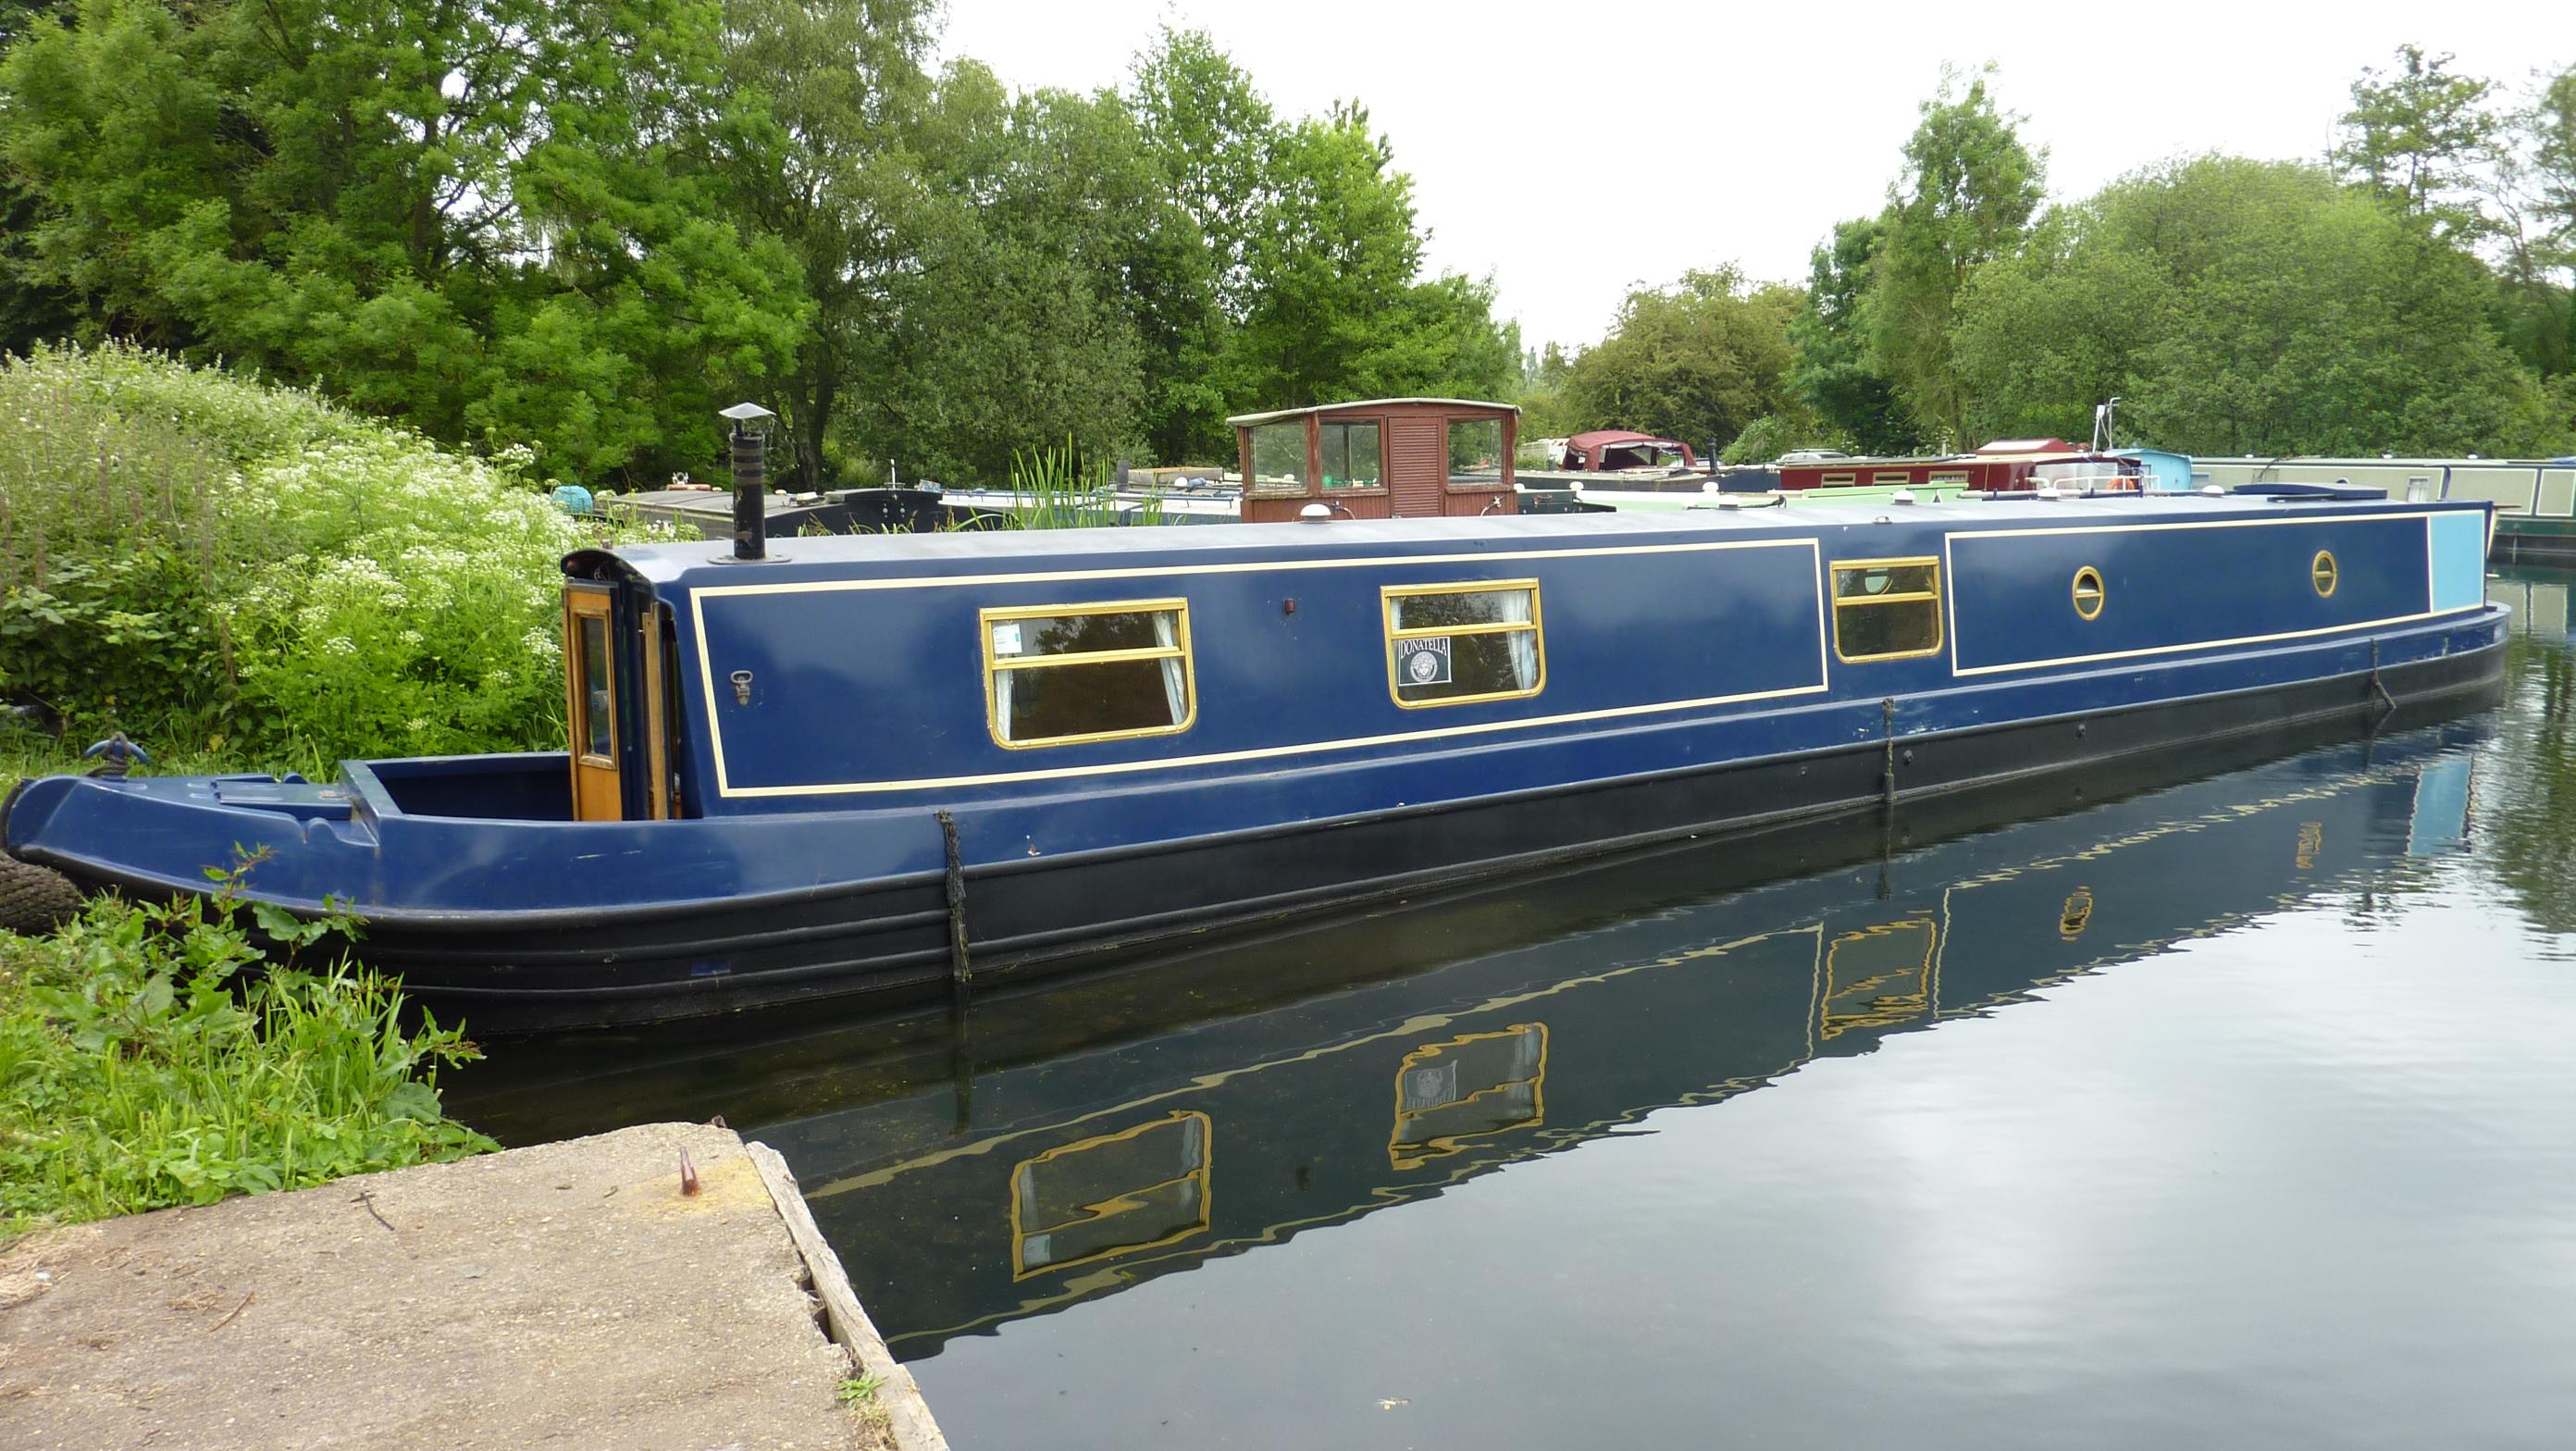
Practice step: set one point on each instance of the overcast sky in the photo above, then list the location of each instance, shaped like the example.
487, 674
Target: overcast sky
1569, 150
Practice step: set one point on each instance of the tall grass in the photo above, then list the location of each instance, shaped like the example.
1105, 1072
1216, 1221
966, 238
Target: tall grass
142, 1064
1056, 491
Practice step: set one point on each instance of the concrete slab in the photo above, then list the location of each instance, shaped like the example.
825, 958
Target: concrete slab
567, 1295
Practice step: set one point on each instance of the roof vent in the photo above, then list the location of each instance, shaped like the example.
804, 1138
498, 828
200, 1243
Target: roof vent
2044, 491
2213, 491
1316, 513
1901, 496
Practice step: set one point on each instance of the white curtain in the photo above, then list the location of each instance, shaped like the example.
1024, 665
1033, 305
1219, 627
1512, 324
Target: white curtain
1002, 702
1516, 609
1176, 690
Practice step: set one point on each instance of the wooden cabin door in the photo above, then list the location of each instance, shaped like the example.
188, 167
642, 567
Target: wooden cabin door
1417, 473
590, 692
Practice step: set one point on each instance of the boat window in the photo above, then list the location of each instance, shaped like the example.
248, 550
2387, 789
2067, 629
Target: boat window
1056, 675
1279, 459
2089, 594
1351, 456
1448, 644
1897, 477
1838, 480
1887, 609
1475, 450
1952, 476
597, 729
2321, 572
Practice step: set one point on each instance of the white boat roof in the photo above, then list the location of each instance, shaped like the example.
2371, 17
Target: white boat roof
1245, 420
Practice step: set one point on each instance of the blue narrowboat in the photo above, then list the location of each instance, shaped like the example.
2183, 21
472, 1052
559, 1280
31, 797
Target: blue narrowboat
865, 765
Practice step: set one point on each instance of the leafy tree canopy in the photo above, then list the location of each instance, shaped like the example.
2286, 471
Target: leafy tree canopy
1697, 361
496, 222
1968, 189
2245, 307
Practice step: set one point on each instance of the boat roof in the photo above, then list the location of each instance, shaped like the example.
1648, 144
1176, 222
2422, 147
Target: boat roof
684, 566
1246, 420
1600, 436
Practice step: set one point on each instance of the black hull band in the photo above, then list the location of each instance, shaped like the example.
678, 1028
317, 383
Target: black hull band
890, 944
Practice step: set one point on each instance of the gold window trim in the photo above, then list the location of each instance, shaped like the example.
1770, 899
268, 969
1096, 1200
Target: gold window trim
1204, 1172
1833, 481
2323, 574
2099, 596
1953, 476
1864, 602
1890, 476
1536, 629
985, 619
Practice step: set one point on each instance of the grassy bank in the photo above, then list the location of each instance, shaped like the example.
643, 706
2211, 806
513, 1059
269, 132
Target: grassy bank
144, 1063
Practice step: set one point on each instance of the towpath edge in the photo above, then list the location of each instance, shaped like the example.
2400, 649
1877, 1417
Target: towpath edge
567, 1294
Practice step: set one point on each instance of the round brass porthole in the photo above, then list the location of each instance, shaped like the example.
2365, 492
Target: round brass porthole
2089, 594
2321, 573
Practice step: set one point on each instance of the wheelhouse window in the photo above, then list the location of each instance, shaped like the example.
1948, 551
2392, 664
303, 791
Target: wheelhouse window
1279, 459
1887, 609
1475, 450
1059, 675
1352, 458
1452, 644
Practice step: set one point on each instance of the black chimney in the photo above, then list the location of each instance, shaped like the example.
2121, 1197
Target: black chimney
750, 481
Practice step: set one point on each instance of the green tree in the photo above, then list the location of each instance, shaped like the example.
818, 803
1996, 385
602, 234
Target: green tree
1336, 310
1968, 189
29, 310
1698, 361
1837, 374
842, 80
1012, 327
494, 222
2539, 271
2247, 307
1209, 135
2418, 136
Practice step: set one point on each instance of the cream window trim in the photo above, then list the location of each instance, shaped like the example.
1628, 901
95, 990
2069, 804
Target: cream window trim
1932, 596
1180, 675
1535, 627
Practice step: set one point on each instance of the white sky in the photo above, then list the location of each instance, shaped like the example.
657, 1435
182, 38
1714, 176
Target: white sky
1574, 148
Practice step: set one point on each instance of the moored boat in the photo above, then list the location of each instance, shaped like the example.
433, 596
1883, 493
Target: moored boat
859, 765
2004, 466
2534, 499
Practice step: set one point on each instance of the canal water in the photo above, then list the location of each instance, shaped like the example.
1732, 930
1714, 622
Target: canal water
2226, 1109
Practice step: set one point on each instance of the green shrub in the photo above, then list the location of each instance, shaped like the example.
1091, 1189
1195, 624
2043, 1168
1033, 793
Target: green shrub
142, 1065
208, 562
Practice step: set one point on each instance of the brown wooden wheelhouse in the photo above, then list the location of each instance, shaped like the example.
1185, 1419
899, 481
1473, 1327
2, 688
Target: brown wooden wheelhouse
1388, 458
2006, 466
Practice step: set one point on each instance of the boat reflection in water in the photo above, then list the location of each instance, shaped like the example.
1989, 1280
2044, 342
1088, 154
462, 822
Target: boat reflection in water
1057, 1171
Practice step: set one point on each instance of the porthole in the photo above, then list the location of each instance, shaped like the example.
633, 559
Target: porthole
2321, 573
2089, 595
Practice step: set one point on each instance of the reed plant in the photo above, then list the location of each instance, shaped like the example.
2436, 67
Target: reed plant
1057, 491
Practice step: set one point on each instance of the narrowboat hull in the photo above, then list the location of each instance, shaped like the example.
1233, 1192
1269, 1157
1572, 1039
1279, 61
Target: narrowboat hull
879, 764
888, 939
